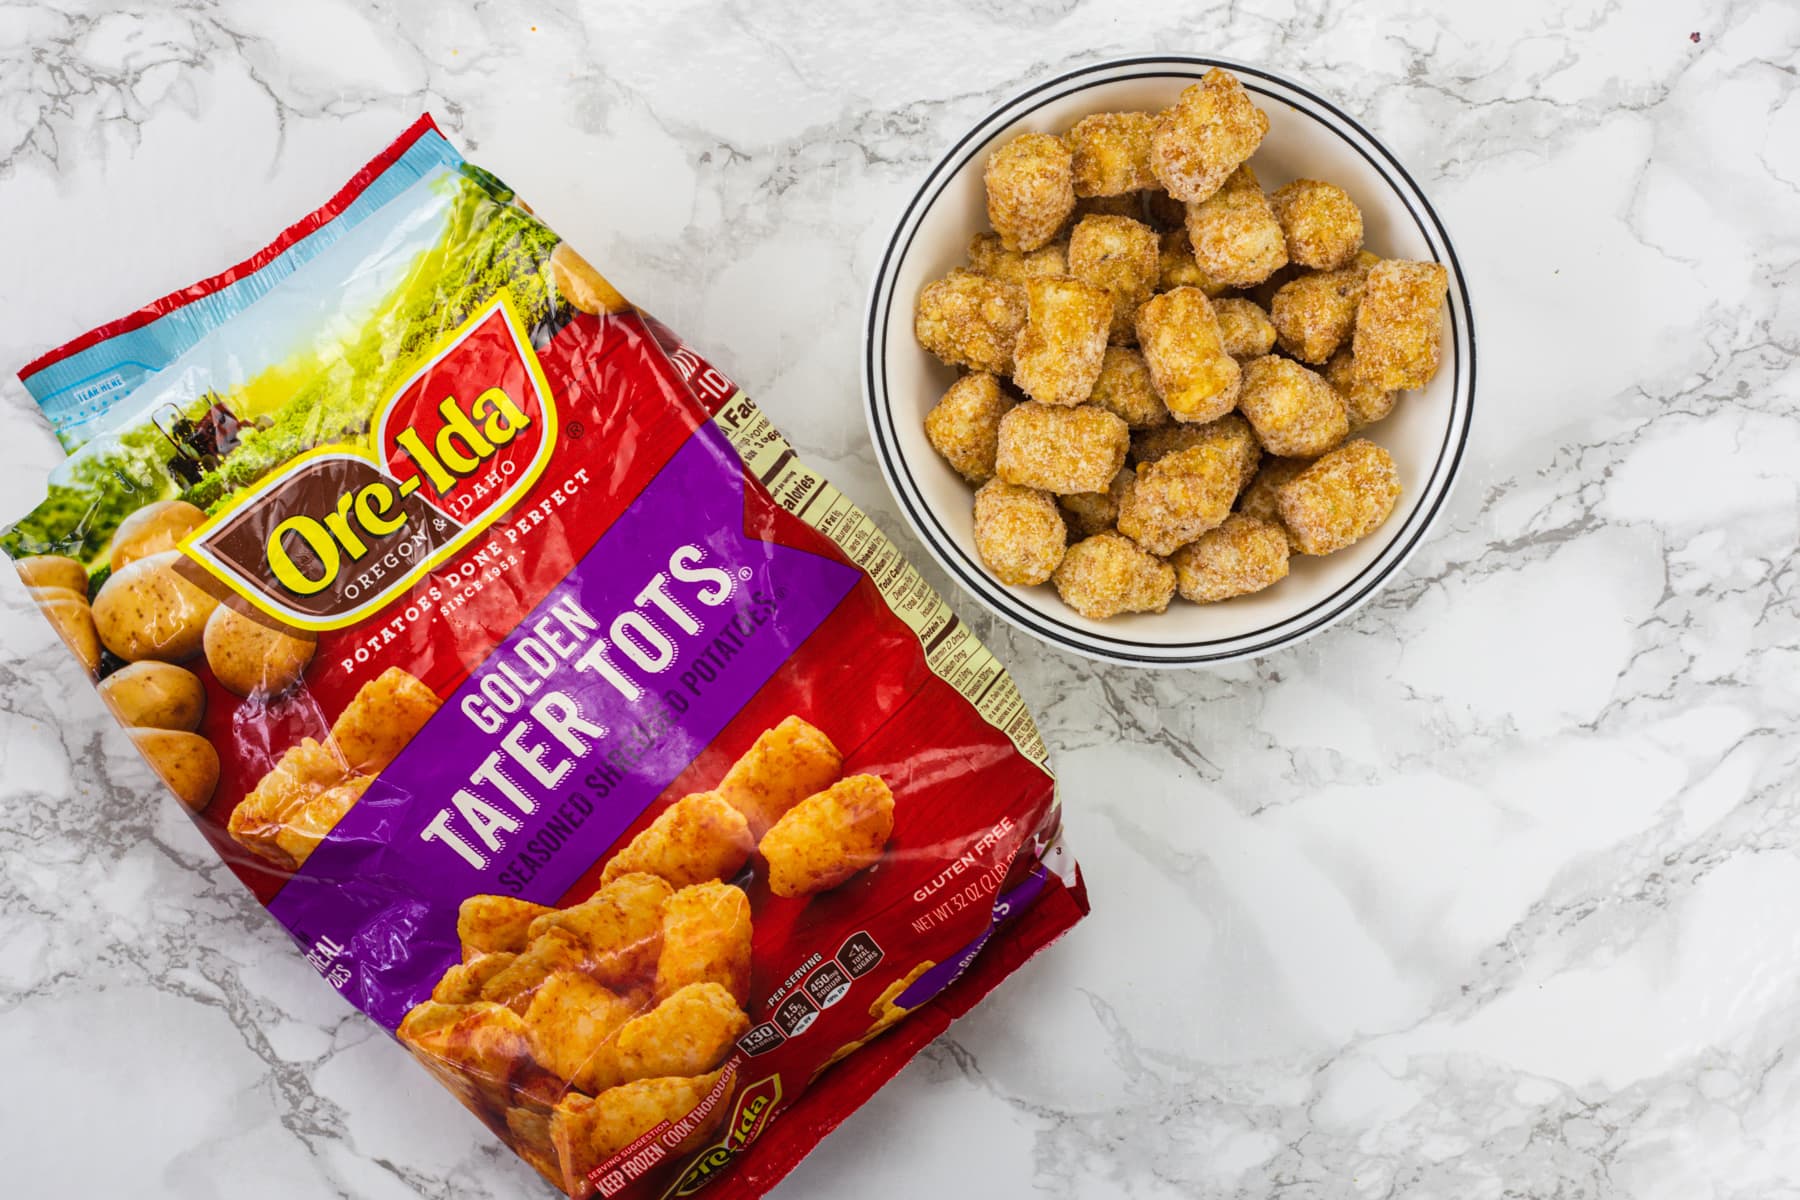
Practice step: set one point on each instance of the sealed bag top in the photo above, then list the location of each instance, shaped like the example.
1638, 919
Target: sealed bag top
578, 733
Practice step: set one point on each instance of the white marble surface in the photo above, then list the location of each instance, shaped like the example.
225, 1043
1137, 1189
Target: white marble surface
1489, 892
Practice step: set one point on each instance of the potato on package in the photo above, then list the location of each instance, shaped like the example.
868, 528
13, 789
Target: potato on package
581, 735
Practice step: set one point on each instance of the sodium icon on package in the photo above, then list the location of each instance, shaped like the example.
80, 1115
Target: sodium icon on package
827, 985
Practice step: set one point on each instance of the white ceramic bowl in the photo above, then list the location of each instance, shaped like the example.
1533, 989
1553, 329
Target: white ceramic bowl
1308, 136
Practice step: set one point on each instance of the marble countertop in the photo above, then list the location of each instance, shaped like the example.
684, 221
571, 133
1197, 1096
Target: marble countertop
1490, 891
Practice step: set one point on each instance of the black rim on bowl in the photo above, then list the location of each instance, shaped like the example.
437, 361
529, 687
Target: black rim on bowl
1288, 630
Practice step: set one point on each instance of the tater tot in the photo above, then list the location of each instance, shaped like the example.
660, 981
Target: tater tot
1110, 153
782, 767
1063, 343
571, 1021
1030, 190
490, 924
964, 425
1124, 257
1180, 496
463, 982
1313, 314
1061, 450
1176, 266
1088, 513
1124, 389
1364, 403
1244, 329
706, 939
1259, 499
517, 982
1199, 141
1243, 555
1234, 233
689, 1032
829, 837
482, 1051
1339, 499
1322, 225
1231, 433
970, 320
1108, 574
1178, 334
989, 256
619, 928
1018, 532
699, 837
626, 1112
1295, 413
1400, 322
381, 718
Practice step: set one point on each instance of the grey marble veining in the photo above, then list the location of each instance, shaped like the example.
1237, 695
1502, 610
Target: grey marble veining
1488, 892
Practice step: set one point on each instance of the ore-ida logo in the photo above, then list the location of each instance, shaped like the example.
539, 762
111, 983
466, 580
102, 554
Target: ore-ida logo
340, 531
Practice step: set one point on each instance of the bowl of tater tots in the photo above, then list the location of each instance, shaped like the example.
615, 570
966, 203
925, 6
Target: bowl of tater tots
1170, 362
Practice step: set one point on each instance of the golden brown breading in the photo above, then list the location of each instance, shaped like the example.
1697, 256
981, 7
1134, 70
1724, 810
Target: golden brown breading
1181, 495
1110, 153
970, 320
1124, 257
988, 256
1179, 336
1296, 414
1124, 389
689, 1032
1088, 513
1234, 233
1108, 574
1211, 128
1030, 190
1243, 555
1339, 499
1314, 314
1364, 403
384, 715
496, 924
1245, 329
1322, 225
1018, 532
1400, 322
1061, 450
573, 1023
964, 425
1063, 343
829, 837
1176, 266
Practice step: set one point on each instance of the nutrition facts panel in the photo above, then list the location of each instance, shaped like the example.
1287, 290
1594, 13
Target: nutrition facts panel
951, 649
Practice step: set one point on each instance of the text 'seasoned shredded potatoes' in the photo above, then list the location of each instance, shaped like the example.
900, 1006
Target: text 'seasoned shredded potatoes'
579, 734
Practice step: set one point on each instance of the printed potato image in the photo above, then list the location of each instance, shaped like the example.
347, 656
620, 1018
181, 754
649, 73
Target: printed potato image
462, 983
1019, 532
970, 320
572, 1022
528, 1133
964, 425
619, 929
300, 833
386, 713
495, 924
1241, 556
781, 768
1059, 351
69, 614
583, 287
586, 1131
688, 1032
1296, 414
1109, 574
148, 610
53, 570
697, 838
186, 762
1178, 333
1340, 499
828, 837
305, 773
1400, 323
989, 256
1234, 233
255, 655
482, 1050
154, 695
1199, 141
153, 529
705, 939
1030, 190
517, 983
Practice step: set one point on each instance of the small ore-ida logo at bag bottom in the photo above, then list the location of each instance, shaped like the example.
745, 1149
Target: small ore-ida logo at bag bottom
339, 531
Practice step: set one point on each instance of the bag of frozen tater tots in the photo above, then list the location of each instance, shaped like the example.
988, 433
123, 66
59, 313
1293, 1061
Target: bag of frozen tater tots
578, 733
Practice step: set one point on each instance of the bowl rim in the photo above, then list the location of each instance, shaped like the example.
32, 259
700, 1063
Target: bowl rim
1031, 618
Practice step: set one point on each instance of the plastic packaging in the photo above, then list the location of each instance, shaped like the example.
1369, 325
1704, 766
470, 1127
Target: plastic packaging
578, 733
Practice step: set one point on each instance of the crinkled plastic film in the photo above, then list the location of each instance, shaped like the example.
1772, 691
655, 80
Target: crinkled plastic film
578, 733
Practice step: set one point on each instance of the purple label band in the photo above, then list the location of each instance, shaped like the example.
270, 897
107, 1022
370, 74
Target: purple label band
948, 972
564, 734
